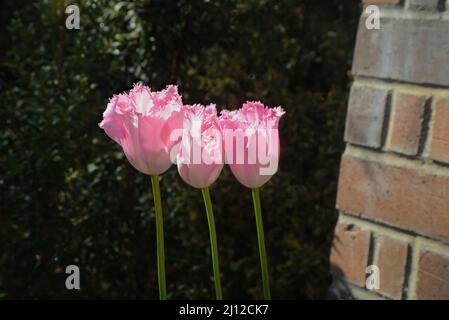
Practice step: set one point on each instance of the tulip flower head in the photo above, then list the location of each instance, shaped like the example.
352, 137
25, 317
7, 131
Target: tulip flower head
200, 157
251, 142
141, 122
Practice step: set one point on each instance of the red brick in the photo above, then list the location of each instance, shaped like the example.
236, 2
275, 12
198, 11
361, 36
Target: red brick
366, 113
433, 276
398, 196
439, 144
392, 260
410, 50
349, 256
406, 123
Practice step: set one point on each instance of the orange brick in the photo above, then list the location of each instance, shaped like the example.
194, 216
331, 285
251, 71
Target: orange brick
433, 276
439, 144
398, 196
392, 260
349, 256
406, 123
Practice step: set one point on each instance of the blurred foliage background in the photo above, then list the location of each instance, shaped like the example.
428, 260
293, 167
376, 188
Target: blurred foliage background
68, 195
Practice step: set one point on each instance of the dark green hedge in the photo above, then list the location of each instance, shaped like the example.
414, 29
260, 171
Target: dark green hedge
68, 195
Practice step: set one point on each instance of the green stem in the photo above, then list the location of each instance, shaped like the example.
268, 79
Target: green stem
213, 243
159, 238
261, 239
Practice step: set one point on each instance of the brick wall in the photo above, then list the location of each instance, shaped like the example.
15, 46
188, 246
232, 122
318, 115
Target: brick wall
393, 192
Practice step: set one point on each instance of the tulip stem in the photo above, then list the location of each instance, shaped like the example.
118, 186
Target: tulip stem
159, 237
261, 239
213, 243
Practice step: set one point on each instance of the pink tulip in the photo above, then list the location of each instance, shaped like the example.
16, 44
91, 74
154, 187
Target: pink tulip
200, 158
251, 142
141, 122
200, 161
